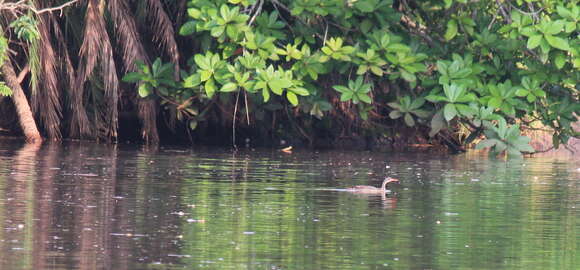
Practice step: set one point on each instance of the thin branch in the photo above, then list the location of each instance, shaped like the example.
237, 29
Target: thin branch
234, 120
14, 7
260, 4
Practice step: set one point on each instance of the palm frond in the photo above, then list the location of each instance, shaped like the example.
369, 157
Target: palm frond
67, 70
128, 36
47, 100
163, 31
133, 51
96, 46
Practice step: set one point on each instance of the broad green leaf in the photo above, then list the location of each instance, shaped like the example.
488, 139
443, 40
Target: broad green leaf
409, 120
465, 110
341, 89
292, 98
560, 60
192, 124
534, 41
210, 87
407, 76
398, 48
436, 98
217, 31
364, 98
523, 144
395, 114
417, 103
202, 61
437, 123
553, 28
277, 85
346, 96
229, 87
300, 91
187, 28
366, 6
557, 42
495, 102
421, 113
513, 152
192, 81
194, 13
486, 143
362, 69
449, 111
451, 30
144, 90
376, 70
521, 92
132, 77
205, 75
265, 94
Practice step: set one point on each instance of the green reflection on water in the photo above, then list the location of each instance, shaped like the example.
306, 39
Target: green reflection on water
134, 209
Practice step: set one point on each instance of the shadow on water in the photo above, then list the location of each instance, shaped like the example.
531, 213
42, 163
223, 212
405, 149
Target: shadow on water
89, 206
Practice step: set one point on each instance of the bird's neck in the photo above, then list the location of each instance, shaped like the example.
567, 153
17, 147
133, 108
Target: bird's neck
384, 186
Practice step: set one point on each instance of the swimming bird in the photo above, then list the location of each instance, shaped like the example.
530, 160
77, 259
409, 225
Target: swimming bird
373, 190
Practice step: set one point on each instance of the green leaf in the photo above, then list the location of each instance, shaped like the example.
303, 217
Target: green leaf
192, 124
521, 92
451, 30
486, 143
437, 123
557, 42
364, 98
265, 94
217, 31
449, 111
187, 28
513, 152
366, 6
202, 61
395, 114
229, 87
292, 98
495, 102
560, 60
144, 90
341, 89
534, 41
192, 81
346, 96
277, 85
205, 75
409, 120
194, 13
398, 48
376, 70
300, 91
132, 77
465, 110
210, 87
407, 76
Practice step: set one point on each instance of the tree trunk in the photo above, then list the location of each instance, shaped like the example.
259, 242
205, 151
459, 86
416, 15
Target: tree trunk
21, 103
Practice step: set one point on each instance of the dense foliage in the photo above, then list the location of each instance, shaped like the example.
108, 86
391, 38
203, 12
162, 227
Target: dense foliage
440, 64
319, 70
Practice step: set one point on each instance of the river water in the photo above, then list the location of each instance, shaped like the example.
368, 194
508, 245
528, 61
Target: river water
91, 206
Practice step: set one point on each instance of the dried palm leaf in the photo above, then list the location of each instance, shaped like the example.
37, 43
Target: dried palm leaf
163, 31
47, 100
96, 46
133, 51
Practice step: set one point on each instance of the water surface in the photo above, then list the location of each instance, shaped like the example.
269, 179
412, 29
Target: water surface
89, 206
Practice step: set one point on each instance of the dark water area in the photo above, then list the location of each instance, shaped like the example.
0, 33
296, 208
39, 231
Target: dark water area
90, 206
